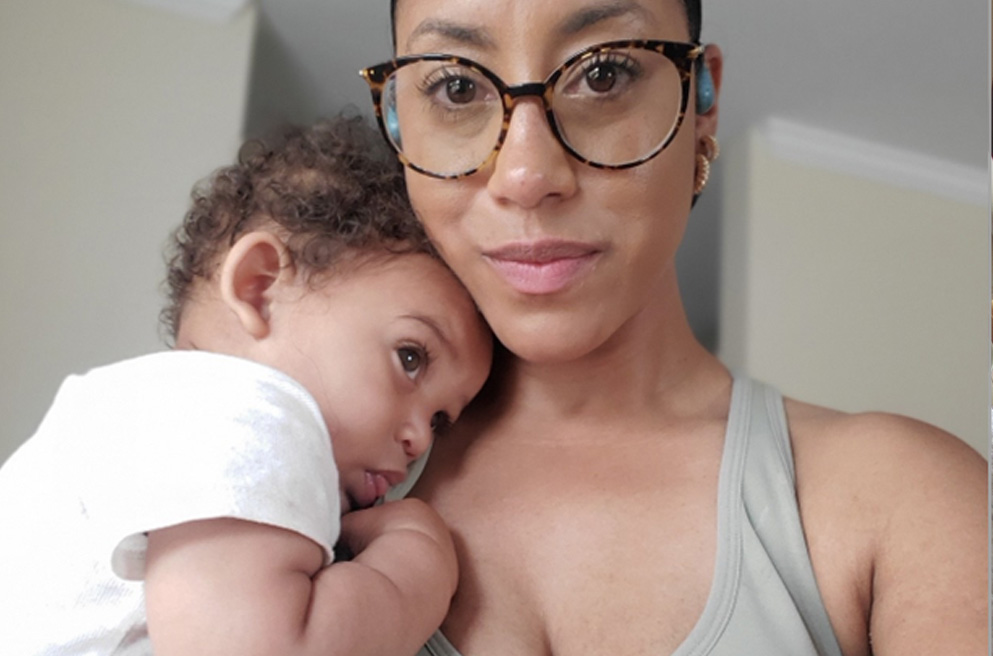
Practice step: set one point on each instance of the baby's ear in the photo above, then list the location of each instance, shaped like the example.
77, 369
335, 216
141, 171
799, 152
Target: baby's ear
249, 272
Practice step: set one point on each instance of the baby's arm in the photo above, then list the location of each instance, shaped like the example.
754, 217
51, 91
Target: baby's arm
230, 586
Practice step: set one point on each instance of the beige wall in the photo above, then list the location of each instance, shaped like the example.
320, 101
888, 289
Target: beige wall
855, 291
109, 112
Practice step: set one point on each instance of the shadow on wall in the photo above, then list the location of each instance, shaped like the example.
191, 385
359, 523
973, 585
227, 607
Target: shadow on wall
277, 92
699, 262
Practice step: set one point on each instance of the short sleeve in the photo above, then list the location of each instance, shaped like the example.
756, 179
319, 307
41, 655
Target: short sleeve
186, 436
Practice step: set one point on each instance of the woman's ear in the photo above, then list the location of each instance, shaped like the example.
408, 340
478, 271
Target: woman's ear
249, 273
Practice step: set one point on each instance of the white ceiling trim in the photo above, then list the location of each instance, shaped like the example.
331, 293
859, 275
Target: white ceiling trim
842, 153
215, 11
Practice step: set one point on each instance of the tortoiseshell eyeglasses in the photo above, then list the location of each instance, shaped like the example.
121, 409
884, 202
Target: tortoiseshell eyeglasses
613, 105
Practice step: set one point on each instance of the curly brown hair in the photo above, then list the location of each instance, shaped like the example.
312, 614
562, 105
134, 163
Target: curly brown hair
328, 188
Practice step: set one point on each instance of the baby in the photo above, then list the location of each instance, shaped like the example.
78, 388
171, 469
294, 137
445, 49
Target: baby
189, 501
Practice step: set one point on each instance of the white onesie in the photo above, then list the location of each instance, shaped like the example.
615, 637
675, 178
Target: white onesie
140, 445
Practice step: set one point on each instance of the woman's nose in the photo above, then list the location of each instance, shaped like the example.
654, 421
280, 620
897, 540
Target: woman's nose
531, 165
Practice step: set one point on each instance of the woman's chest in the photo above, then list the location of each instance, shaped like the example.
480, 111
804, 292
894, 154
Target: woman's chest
612, 555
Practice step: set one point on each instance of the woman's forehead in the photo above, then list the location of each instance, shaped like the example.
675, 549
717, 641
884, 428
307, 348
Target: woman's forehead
423, 25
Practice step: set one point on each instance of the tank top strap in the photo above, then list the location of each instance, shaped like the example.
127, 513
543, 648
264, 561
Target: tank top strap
778, 588
718, 613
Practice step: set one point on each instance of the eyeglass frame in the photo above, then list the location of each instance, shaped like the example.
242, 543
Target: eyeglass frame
682, 54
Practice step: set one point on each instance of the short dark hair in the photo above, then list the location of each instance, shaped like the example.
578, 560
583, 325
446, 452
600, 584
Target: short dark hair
694, 18
325, 189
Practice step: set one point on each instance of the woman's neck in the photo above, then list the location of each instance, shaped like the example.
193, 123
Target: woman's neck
653, 364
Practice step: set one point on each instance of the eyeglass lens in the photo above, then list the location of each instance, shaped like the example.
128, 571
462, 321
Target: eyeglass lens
612, 107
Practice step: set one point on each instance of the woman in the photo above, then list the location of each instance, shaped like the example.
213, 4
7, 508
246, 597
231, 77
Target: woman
617, 491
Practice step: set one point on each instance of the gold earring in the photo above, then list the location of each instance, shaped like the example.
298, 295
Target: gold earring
702, 173
711, 151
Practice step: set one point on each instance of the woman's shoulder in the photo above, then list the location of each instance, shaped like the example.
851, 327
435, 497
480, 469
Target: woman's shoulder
900, 508
887, 462
879, 443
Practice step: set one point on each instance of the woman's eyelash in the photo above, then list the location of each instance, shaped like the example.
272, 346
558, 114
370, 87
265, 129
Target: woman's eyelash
438, 77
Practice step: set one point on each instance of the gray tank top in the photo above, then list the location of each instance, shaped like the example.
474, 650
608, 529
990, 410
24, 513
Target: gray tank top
763, 599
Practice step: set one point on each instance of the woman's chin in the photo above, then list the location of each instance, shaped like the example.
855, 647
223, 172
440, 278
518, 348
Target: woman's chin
550, 342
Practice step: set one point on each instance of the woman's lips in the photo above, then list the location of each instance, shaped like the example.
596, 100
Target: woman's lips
542, 267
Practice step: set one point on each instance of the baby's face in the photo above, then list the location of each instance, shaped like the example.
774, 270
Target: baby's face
390, 349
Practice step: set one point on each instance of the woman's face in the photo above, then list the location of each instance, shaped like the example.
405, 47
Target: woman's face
559, 256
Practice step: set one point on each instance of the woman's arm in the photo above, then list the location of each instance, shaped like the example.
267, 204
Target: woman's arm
895, 513
231, 586
930, 584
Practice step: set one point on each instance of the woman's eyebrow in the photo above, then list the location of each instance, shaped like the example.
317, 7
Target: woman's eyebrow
462, 34
478, 37
594, 14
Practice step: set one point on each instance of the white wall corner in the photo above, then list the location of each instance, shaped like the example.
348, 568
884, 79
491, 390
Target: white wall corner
905, 169
214, 11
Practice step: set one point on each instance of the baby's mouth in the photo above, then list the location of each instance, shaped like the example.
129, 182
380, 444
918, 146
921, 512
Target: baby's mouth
374, 487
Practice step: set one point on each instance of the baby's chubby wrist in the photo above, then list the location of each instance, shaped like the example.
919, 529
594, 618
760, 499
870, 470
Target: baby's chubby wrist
406, 534
423, 524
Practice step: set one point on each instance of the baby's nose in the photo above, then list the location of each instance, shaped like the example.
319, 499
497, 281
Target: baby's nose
415, 437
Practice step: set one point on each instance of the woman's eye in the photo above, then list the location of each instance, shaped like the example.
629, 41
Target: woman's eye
412, 359
460, 90
606, 75
601, 78
456, 87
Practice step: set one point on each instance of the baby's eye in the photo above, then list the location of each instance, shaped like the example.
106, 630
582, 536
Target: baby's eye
412, 359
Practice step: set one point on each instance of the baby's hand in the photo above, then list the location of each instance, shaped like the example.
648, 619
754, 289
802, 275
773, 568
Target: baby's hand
393, 528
